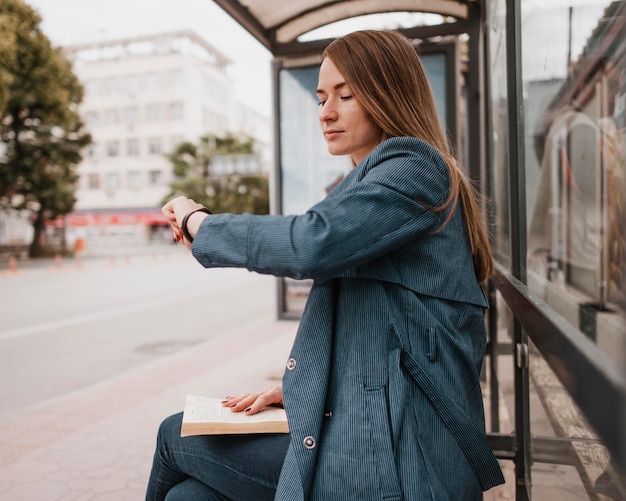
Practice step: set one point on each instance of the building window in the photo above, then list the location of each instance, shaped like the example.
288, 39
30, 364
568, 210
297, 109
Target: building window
111, 183
154, 145
111, 86
219, 166
93, 181
155, 177
153, 112
92, 118
132, 115
249, 164
134, 180
176, 78
92, 151
91, 88
132, 85
111, 117
132, 147
113, 148
175, 111
153, 81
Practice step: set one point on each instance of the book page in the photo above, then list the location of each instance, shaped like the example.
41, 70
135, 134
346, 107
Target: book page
205, 415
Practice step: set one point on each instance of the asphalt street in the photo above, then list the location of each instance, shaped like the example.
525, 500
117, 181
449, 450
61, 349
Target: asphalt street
65, 327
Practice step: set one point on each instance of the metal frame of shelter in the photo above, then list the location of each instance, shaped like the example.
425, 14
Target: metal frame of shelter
598, 389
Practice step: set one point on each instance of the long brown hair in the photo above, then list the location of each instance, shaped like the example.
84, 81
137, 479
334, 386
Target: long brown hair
386, 76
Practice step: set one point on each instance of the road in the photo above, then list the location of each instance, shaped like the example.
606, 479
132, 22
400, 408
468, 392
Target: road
63, 329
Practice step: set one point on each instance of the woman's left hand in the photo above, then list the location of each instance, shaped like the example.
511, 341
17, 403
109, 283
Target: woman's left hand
174, 211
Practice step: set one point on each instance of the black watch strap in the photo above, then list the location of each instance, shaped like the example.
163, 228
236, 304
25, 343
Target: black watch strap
183, 225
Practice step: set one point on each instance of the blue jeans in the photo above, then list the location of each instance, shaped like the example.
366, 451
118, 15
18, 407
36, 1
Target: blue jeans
215, 467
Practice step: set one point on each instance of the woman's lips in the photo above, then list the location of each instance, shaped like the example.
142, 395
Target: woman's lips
331, 134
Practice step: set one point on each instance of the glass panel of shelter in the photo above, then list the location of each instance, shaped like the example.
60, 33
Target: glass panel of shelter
307, 172
574, 78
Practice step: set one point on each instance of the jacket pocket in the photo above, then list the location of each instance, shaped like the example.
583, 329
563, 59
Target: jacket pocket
431, 334
381, 442
468, 435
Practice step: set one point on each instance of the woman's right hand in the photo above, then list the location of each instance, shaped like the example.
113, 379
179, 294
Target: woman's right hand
251, 403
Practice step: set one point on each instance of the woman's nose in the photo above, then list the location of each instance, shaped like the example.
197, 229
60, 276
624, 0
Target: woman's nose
327, 112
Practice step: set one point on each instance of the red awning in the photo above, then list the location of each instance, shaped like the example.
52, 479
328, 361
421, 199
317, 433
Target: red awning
109, 218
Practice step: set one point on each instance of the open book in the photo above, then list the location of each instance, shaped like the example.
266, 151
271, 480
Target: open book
206, 416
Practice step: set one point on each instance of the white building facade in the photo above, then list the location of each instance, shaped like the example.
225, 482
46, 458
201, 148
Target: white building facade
143, 96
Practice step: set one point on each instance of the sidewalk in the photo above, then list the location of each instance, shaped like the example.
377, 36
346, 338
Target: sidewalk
97, 444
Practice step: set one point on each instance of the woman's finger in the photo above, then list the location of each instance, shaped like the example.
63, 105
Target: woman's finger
231, 401
268, 397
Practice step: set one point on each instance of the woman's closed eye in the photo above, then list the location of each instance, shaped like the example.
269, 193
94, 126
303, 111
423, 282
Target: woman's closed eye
342, 98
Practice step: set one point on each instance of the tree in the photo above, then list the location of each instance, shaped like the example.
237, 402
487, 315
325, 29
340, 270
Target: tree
234, 193
7, 58
39, 121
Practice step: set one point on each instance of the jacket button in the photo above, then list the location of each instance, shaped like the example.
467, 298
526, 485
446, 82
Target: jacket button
291, 364
328, 414
309, 442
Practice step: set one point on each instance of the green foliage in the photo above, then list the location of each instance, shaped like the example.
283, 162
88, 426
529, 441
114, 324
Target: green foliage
7, 58
234, 193
237, 194
40, 126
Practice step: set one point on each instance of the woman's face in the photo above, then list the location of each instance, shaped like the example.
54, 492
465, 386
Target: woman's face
347, 128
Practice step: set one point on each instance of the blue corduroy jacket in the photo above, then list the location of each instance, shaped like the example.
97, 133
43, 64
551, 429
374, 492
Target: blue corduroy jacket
382, 385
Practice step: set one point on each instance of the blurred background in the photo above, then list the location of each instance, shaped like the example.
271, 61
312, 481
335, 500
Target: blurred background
158, 91
109, 108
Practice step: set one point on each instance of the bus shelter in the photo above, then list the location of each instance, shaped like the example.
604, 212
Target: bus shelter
533, 97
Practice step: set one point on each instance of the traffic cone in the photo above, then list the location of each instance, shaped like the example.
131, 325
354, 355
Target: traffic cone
12, 264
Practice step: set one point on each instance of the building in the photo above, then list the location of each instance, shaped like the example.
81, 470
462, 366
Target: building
143, 96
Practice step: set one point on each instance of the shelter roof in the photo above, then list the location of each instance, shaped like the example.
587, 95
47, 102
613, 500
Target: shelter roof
277, 24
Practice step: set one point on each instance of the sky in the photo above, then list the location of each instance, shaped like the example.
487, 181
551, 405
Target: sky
68, 22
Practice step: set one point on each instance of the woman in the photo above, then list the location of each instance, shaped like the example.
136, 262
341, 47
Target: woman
382, 385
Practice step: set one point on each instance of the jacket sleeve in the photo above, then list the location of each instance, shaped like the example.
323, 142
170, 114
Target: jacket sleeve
382, 207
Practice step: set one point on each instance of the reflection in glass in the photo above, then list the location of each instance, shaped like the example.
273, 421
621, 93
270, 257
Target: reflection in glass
575, 169
306, 166
574, 76
308, 171
435, 68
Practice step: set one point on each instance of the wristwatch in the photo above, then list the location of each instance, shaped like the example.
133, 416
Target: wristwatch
183, 225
